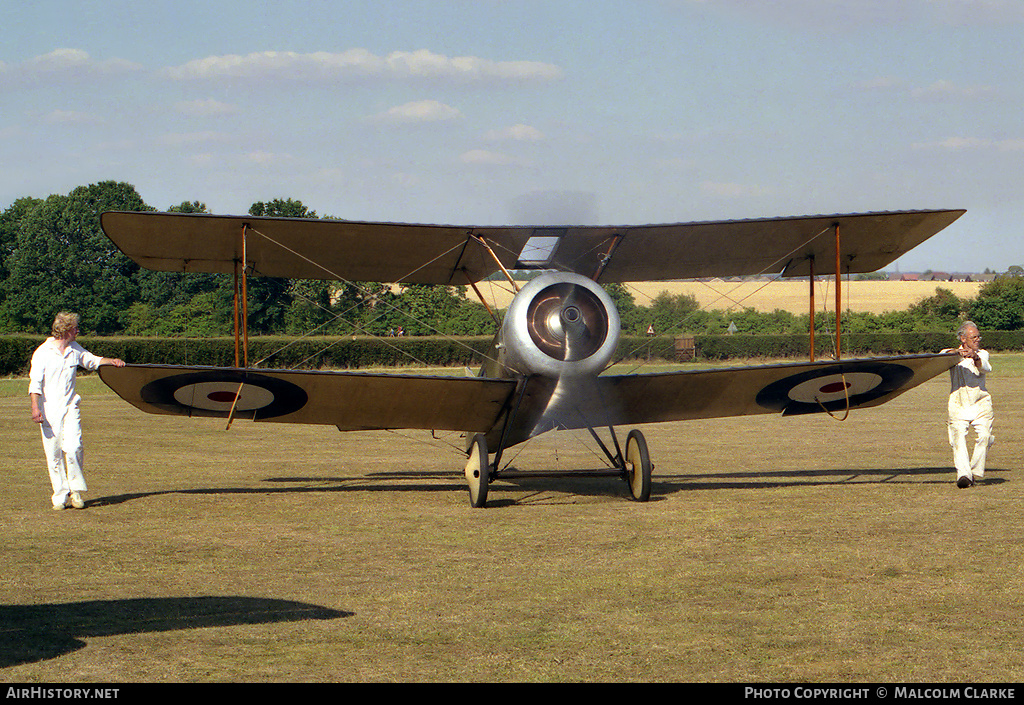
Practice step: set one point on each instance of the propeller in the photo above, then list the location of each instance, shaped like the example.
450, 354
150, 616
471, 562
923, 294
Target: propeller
567, 322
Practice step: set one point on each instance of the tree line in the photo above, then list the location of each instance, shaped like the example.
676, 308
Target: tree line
54, 256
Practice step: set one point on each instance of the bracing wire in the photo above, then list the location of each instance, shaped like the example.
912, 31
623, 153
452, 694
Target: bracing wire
398, 310
728, 295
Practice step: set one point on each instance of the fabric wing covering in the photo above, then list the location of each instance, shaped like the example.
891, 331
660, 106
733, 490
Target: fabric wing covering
450, 254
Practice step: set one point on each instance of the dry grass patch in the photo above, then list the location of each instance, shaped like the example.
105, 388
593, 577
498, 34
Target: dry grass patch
773, 549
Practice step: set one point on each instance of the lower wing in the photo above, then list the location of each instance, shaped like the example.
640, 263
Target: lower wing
363, 401
349, 400
790, 388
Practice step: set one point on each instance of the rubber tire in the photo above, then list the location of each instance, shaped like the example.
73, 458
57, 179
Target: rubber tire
478, 472
639, 477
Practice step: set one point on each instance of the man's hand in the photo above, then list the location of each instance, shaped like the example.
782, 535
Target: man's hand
37, 413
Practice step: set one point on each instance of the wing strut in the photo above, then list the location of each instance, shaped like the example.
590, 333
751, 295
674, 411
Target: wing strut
510, 416
479, 295
487, 247
244, 320
810, 263
607, 256
839, 296
242, 298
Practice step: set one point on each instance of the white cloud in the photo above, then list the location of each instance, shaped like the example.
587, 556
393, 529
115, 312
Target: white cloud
354, 64
975, 12
483, 157
62, 65
204, 108
936, 92
201, 160
426, 64
947, 90
418, 112
819, 14
882, 83
181, 139
956, 144
278, 64
731, 189
67, 117
515, 133
264, 158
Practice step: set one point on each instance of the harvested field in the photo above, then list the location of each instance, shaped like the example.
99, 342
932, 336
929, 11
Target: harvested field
860, 296
796, 549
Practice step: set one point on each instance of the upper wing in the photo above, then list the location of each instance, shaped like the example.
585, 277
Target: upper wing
449, 254
349, 400
790, 388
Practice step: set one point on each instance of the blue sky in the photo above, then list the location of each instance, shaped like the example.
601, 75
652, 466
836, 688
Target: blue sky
504, 111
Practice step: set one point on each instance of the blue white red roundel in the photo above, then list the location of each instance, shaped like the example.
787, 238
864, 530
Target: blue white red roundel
220, 396
214, 392
831, 388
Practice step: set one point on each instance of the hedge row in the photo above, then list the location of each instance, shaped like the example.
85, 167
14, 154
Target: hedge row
268, 351
362, 352
720, 347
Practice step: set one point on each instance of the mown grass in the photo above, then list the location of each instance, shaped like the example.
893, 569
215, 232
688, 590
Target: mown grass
773, 549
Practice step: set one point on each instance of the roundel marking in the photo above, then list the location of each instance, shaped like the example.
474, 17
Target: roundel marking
830, 387
834, 386
219, 396
213, 392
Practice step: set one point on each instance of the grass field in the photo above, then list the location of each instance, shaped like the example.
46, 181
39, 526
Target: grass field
772, 550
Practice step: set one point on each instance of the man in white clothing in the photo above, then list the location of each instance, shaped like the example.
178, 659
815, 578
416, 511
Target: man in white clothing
55, 406
970, 404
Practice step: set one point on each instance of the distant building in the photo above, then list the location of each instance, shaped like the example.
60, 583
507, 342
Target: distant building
910, 277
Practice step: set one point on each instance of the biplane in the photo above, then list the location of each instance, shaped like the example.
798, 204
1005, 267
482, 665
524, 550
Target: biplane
547, 365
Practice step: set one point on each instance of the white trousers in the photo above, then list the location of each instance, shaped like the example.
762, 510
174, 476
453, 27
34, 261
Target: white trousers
971, 465
65, 455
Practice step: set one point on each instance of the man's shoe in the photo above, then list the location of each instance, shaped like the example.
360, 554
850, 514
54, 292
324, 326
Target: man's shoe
58, 507
964, 482
76, 501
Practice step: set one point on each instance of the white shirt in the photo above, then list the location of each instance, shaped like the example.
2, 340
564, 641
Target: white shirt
52, 376
967, 384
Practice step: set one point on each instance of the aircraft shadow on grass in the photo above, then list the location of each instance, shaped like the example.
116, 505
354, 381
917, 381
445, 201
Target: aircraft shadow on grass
30, 633
580, 483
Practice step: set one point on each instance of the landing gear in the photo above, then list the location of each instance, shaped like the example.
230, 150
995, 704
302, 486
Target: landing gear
637, 466
634, 465
478, 472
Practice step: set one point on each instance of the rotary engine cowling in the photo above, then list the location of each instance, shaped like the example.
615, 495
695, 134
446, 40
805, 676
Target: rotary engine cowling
560, 324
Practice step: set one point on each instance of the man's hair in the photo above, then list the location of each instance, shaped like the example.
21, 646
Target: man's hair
63, 324
963, 328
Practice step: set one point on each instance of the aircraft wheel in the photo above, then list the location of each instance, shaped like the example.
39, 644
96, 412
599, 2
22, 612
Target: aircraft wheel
638, 466
478, 472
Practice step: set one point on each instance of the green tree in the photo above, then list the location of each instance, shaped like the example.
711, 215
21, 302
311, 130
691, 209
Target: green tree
61, 260
281, 208
944, 306
270, 299
165, 299
631, 316
670, 313
999, 305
